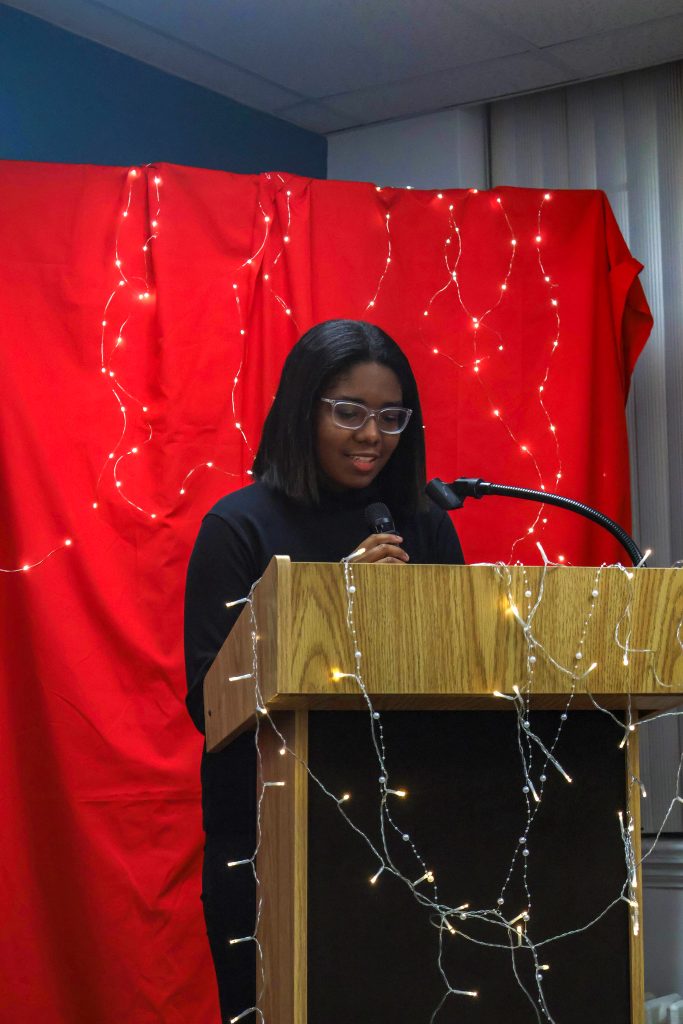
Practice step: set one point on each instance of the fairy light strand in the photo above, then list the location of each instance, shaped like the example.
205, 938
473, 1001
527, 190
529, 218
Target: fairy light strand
453, 921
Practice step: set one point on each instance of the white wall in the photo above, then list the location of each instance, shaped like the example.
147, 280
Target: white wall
444, 150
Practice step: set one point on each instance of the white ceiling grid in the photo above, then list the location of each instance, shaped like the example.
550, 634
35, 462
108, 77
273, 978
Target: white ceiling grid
328, 65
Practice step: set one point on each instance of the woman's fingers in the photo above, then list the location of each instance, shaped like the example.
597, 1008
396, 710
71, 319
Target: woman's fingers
380, 547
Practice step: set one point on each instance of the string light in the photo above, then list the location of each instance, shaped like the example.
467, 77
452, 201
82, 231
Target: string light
528, 742
387, 261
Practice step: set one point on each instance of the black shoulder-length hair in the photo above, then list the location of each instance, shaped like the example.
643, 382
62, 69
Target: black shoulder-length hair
286, 458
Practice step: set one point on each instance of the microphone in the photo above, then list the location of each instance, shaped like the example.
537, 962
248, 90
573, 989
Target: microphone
379, 519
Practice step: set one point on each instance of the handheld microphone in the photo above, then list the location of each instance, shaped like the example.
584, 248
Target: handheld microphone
379, 518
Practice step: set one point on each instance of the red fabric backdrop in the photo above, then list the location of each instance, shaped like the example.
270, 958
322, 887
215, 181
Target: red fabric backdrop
120, 447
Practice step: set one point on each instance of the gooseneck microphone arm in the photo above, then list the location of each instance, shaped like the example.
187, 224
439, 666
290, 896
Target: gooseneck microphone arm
452, 496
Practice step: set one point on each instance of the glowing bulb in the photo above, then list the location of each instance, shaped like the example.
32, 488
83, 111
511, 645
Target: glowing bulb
496, 412
286, 238
538, 238
155, 223
547, 196
439, 195
157, 180
94, 504
68, 542
513, 242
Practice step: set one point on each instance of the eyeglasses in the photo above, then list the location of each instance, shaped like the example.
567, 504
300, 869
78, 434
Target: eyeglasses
390, 419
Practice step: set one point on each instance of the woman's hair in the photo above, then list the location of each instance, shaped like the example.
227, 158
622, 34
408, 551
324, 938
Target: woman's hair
286, 458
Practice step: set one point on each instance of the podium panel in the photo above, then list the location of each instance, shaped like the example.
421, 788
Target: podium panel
437, 643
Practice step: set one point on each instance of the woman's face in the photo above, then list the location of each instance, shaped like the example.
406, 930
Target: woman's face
353, 458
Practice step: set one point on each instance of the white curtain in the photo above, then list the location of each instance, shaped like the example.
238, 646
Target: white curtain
623, 135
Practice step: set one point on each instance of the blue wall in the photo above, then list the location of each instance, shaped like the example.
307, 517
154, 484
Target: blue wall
64, 99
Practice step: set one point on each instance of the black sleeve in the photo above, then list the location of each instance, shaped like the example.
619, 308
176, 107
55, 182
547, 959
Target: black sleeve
448, 549
222, 568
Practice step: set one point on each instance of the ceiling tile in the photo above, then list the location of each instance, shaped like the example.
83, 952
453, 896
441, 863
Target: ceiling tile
173, 55
315, 116
545, 22
318, 47
625, 50
477, 82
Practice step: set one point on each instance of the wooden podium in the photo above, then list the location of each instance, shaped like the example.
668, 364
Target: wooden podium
431, 638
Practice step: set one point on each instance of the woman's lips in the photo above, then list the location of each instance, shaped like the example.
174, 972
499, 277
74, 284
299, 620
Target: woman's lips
363, 463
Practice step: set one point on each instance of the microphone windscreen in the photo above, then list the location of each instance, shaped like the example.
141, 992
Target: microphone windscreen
379, 518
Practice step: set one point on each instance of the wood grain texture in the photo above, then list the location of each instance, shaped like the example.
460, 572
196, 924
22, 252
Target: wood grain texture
430, 637
230, 706
444, 636
282, 867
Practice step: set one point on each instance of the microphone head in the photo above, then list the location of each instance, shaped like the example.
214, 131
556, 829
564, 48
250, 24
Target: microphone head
379, 518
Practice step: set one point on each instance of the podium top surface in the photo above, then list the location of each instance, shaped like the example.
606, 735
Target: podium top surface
435, 636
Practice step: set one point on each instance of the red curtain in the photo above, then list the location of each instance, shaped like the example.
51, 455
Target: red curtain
144, 317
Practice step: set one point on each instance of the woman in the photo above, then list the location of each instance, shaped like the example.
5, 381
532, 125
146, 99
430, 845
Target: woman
344, 431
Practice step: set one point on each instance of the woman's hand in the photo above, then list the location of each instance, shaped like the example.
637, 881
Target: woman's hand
380, 547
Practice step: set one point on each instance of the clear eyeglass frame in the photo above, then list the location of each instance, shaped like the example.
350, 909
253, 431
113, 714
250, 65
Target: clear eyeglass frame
390, 419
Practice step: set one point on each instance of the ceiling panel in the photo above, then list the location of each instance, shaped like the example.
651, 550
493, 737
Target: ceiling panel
487, 79
315, 116
321, 47
624, 50
334, 64
174, 55
545, 22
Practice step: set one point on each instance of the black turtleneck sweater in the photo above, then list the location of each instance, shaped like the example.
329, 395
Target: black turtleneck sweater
236, 541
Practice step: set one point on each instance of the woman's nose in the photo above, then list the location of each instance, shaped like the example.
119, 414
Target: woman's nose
370, 431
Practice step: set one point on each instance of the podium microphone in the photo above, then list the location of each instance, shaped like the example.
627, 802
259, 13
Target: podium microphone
379, 518
452, 496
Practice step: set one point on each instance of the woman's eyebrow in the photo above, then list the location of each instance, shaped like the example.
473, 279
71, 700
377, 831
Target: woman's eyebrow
362, 401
